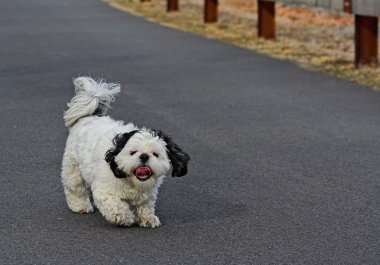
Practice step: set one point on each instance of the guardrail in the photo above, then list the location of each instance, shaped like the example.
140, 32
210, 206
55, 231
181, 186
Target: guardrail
266, 13
366, 31
172, 5
366, 26
211, 11
366, 14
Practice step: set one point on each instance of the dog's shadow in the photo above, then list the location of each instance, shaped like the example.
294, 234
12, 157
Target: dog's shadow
180, 203
185, 204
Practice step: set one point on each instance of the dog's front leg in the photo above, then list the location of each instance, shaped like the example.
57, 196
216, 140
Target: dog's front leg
146, 216
115, 210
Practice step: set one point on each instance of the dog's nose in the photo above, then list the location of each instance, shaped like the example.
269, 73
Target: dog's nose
144, 158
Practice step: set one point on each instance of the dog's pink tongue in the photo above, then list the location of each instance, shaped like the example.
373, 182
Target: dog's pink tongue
143, 172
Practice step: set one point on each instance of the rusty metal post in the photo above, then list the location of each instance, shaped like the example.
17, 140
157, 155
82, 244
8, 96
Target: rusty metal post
172, 5
366, 40
211, 11
347, 6
266, 19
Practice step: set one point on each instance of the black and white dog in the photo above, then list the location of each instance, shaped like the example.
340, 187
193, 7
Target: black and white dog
121, 165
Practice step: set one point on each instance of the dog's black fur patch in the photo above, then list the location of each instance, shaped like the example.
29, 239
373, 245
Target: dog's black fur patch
119, 141
177, 156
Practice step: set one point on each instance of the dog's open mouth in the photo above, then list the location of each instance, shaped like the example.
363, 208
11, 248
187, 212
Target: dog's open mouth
143, 173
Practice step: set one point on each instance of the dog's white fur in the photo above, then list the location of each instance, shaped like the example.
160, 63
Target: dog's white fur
121, 200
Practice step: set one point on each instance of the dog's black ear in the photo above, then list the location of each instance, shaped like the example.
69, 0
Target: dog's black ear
177, 156
119, 141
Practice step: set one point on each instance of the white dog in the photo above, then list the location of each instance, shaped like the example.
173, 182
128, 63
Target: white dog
120, 165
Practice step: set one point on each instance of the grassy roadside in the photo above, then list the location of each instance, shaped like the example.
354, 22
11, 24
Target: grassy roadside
327, 48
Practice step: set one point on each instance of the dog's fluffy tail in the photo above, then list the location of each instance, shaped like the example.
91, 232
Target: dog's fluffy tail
92, 98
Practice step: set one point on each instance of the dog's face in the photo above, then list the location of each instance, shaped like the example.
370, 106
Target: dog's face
144, 155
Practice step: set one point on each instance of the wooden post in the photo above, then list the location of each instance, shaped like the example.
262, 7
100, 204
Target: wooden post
366, 40
172, 5
266, 19
347, 6
211, 11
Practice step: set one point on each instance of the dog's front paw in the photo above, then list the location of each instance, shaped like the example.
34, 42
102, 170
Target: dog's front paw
88, 209
121, 219
151, 221
81, 207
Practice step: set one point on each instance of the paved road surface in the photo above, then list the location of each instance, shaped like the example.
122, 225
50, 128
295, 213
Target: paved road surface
285, 162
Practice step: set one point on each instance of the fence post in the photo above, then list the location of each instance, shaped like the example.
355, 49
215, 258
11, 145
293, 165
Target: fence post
172, 5
366, 40
347, 6
211, 11
266, 19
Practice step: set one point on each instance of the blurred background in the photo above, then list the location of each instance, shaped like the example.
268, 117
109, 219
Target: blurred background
333, 36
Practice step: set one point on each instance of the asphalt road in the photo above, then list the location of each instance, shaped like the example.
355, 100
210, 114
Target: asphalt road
285, 162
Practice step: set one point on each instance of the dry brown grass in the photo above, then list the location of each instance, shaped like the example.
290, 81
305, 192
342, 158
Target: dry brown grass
313, 39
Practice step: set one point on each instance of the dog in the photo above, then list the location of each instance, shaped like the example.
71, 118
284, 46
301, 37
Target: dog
115, 166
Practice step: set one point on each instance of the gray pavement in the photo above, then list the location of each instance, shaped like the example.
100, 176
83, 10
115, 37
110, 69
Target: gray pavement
285, 162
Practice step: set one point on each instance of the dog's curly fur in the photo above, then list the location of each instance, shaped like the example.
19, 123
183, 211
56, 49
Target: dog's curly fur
119, 165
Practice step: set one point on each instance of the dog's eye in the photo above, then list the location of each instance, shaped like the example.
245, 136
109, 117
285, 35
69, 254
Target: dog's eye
155, 154
132, 153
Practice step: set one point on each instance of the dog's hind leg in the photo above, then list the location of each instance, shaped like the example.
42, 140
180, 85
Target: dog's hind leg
77, 195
